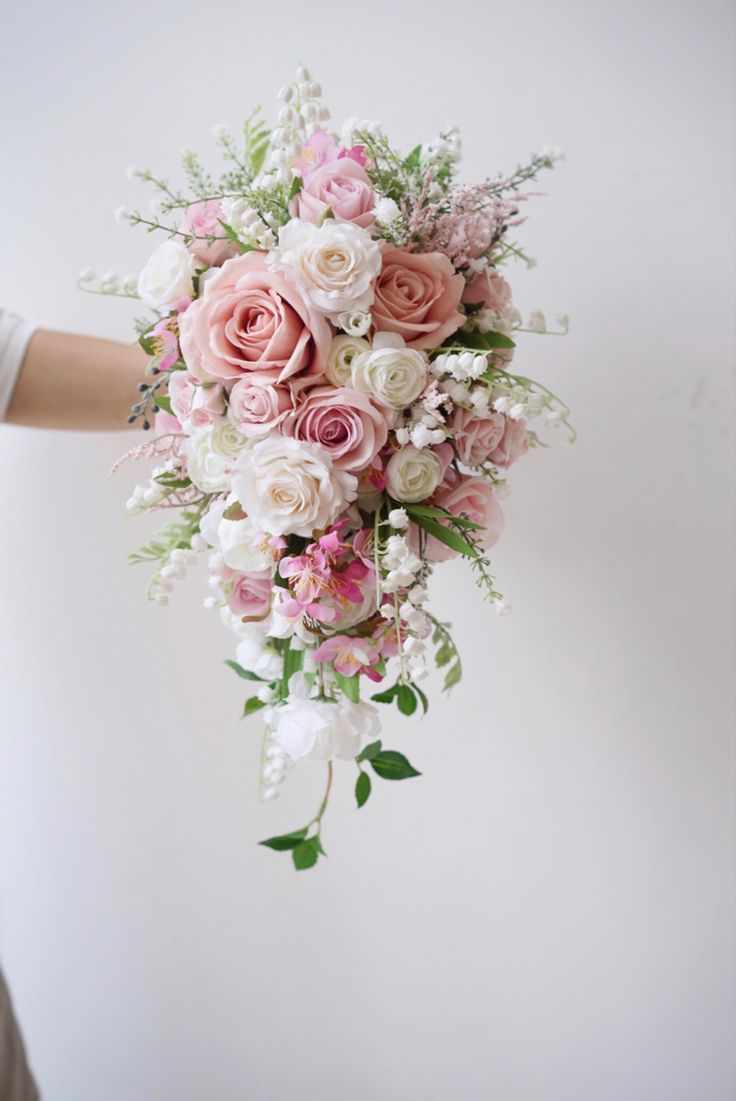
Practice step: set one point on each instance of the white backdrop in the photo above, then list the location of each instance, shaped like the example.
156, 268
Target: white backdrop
547, 913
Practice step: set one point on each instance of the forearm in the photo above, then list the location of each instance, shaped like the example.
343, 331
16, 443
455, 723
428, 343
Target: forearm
78, 382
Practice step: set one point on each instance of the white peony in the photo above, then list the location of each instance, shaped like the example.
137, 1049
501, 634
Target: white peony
255, 655
335, 264
343, 351
167, 276
290, 487
413, 475
242, 546
319, 730
391, 372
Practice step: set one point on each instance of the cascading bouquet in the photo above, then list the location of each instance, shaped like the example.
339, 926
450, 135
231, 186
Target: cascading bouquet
335, 400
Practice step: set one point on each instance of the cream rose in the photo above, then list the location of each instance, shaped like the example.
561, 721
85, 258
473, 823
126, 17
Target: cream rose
211, 455
335, 264
289, 487
394, 374
413, 475
167, 276
343, 351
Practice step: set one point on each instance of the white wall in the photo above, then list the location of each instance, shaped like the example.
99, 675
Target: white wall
547, 913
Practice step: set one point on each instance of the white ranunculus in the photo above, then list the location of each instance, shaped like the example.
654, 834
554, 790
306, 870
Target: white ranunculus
241, 544
289, 487
391, 372
335, 264
254, 654
343, 351
167, 276
208, 468
319, 730
413, 475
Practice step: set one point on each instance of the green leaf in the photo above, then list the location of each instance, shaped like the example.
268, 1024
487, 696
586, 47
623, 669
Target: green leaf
369, 752
453, 676
232, 236
423, 699
252, 705
413, 159
285, 841
349, 686
244, 673
432, 512
387, 696
406, 700
480, 342
163, 402
292, 662
306, 853
390, 765
362, 788
445, 535
296, 185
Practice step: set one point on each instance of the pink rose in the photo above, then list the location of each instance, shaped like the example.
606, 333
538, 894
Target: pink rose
475, 437
193, 403
348, 424
417, 296
468, 496
490, 291
513, 445
203, 220
250, 319
257, 407
251, 596
344, 188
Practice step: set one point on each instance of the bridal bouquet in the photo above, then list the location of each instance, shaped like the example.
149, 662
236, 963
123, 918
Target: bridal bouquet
336, 400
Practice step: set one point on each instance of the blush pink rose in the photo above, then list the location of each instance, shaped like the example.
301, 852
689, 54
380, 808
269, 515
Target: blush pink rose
251, 320
251, 596
343, 187
257, 407
348, 424
417, 296
490, 291
475, 437
195, 404
203, 220
468, 496
514, 443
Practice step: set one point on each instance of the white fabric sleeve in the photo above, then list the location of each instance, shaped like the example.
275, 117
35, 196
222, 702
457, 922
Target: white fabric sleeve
15, 334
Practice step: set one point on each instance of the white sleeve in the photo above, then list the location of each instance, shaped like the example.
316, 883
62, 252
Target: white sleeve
14, 336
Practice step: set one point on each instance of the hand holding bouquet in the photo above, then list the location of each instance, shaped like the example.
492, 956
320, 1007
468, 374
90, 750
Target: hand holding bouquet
333, 381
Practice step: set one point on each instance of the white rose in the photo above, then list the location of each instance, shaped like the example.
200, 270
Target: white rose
319, 730
391, 372
167, 275
212, 452
335, 264
241, 544
208, 468
413, 475
343, 351
290, 487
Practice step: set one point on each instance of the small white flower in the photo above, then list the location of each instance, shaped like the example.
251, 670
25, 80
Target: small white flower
398, 518
501, 404
537, 322
87, 275
355, 323
221, 132
343, 351
386, 211
421, 436
516, 412
391, 372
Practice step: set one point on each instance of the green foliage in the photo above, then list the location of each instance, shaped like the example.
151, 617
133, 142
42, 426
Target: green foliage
306, 853
173, 536
349, 686
293, 660
406, 697
447, 535
477, 341
390, 765
285, 841
232, 236
252, 705
406, 700
369, 751
256, 138
446, 655
362, 788
244, 673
